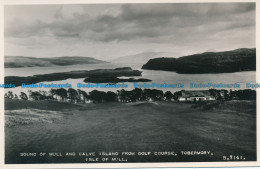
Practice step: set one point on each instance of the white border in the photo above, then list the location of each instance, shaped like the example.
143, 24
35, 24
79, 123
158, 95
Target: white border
120, 165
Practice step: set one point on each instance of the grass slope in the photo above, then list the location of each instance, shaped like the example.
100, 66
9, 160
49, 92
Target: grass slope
223, 129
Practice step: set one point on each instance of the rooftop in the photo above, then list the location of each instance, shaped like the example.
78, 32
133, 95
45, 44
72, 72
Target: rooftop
196, 93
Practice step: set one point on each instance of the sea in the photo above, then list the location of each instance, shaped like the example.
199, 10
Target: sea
157, 77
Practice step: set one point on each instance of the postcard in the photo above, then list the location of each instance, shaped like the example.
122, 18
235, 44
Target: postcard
130, 84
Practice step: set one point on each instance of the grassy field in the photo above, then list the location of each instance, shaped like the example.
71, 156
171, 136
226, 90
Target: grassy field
224, 129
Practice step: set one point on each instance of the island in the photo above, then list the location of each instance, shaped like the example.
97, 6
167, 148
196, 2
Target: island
238, 60
113, 80
90, 75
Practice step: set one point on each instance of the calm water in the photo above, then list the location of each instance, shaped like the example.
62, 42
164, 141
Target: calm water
159, 77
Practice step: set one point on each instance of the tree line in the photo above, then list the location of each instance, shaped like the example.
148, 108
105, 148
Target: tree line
135, 95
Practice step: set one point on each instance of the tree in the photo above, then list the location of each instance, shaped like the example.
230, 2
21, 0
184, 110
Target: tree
246, 94
136, 94
153, 94
62, 93
147, 94
157, 94
80, 97
176, 95
15, 96
53, 92
121, 95
124, 95
249, 94
111, 96
73, 94
32, 95
97, 96
85, 96
218, 94
23, 96
43, 93
10, 95
36, 95
224, 95
168, 95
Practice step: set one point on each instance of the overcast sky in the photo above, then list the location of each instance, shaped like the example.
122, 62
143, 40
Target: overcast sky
107, 31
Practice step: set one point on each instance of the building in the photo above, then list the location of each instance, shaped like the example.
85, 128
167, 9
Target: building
196, 95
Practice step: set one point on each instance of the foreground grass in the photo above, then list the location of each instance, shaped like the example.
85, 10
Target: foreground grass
227, 128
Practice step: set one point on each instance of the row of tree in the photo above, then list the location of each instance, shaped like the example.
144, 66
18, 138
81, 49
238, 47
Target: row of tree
246, 94
137, 94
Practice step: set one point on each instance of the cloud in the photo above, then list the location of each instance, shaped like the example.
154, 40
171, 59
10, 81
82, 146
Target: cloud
137, 21
174, 24
58, 13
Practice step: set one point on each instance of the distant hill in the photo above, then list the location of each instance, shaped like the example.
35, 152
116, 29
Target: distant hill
141, 58
243, 59
22, 61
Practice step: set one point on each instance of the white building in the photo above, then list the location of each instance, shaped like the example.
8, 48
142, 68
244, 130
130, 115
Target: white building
196, 95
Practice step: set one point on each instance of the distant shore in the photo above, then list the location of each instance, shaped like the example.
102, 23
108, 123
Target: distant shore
97, 75
22, 61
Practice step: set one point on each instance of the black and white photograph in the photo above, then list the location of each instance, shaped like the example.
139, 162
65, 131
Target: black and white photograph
130, 83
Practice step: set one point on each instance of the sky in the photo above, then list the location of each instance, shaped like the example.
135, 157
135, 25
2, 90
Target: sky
108, 31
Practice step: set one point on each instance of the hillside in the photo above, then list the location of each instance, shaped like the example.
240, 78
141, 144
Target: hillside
22, 61
141, 58
209, 62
